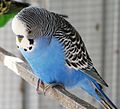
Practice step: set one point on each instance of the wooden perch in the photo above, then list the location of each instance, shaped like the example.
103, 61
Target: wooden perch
22, 69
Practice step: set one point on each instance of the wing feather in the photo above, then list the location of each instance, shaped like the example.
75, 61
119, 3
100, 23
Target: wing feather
75, 51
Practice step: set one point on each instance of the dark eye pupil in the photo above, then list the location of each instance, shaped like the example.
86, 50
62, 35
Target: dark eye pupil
29, 31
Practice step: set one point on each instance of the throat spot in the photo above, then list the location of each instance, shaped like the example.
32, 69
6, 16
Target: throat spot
26, 44
28, 49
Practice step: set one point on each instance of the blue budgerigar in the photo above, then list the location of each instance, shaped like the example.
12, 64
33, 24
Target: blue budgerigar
56, 52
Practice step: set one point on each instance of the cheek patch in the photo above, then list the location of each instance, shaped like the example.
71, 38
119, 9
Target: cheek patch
31, 41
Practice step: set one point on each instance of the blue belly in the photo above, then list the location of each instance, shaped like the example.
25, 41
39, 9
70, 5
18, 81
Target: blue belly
48, 63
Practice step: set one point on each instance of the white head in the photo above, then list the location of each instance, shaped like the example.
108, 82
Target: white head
19, 27
32, 23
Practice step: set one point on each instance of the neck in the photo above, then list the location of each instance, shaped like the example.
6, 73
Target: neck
44, 48
45, 55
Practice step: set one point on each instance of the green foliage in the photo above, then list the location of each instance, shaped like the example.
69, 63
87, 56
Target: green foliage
8, 9
5, 18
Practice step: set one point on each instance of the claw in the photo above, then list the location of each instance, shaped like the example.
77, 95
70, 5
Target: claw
41, 84
46, 88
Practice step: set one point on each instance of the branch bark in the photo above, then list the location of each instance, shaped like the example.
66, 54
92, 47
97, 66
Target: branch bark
22, 69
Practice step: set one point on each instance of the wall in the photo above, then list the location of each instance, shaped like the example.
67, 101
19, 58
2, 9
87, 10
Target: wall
97, 21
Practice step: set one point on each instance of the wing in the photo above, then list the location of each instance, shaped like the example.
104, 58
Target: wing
75, 51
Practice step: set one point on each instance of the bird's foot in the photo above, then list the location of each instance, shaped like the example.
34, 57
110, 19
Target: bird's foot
46, 88
40, 84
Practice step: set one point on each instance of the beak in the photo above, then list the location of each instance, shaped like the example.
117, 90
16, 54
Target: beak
20, 37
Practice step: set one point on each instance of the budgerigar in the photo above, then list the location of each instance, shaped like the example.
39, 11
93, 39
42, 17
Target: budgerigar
8, 9
56, 52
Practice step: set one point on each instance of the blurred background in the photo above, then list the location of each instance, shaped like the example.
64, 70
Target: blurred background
98, 22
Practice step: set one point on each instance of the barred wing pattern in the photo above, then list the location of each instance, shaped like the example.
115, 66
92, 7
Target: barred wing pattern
75, 51
74, 48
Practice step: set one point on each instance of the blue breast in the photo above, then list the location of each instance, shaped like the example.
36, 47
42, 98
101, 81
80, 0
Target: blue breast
48, 63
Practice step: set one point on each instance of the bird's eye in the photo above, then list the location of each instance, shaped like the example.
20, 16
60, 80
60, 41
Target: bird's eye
29, 32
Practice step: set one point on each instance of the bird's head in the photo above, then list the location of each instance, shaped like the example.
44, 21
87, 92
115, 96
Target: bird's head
20, 29
28, 25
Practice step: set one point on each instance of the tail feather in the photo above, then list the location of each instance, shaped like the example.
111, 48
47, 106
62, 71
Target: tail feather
105, 104
107, 101
104, 100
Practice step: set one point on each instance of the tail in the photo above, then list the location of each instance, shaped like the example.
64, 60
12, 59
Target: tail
104, 100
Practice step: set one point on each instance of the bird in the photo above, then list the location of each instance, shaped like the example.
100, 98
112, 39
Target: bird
56, 52
8, 9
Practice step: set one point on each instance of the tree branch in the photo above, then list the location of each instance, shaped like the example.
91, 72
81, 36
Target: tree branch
23, 70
